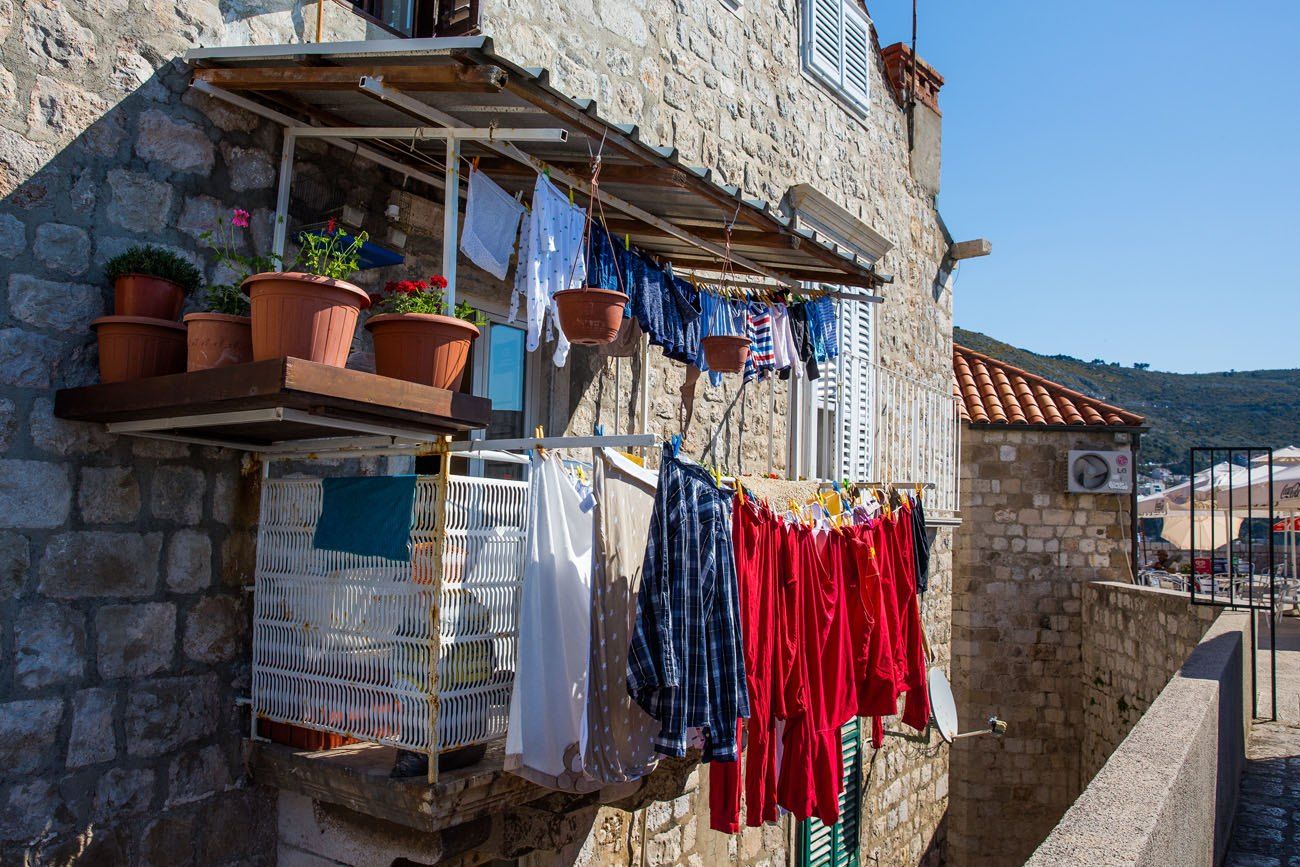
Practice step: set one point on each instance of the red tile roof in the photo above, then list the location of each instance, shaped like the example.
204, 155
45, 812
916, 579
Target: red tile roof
994, 392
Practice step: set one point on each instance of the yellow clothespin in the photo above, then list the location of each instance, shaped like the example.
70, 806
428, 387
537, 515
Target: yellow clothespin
540, 432
570, 195
627, 242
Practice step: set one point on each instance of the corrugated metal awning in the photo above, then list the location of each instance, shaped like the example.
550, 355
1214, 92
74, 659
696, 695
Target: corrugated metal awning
675, 211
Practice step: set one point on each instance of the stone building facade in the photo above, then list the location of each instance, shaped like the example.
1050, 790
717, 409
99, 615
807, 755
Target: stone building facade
125, 564
1024, 555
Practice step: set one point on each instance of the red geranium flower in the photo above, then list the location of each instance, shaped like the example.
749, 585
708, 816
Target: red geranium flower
439, 281
329, 227
239, 217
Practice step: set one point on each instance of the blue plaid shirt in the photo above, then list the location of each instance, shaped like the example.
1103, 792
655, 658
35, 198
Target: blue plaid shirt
686, 665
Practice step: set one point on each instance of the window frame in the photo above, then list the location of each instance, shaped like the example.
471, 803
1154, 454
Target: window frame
837, 83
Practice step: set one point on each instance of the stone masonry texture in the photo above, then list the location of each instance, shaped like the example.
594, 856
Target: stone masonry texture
123, 623
1034, 642
123, 619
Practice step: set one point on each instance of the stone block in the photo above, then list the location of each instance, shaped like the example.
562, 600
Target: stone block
63, 248
167, 713
250, 168
59, 111
54, 39
98, 563
29, 732
124, 792
28, 359
168, 841
139, 203
92, 739
214, 629
13, 236
34, 494
108, 495
135, 640
30, 809
15, 561
200, 214
51, 434
195, 775
177, 494
189, 561
8, 423
175, 144
49, 645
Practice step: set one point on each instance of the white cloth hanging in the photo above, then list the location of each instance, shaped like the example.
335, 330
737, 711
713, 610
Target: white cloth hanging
554, 261
491, 225
546, 736
522, 270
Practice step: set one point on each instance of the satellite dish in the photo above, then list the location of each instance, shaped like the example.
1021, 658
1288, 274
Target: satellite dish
942, 706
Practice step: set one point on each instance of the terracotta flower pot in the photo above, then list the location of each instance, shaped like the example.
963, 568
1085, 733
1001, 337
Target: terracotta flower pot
422, 347
135, 347
590, 316
150, 297
303, 316
726, 353
217, 340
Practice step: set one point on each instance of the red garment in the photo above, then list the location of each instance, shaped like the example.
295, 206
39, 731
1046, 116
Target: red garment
878, 685
916, 710
756, 537
811, 765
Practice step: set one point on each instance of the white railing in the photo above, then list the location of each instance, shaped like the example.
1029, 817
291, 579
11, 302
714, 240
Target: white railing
917, 437
343, 643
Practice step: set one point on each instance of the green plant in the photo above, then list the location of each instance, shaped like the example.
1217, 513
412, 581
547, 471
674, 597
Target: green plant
423, 296
154, 262
332, 253
228, 297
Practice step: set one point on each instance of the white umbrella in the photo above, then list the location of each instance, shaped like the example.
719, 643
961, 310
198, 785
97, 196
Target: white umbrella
1178, 528
1288, 455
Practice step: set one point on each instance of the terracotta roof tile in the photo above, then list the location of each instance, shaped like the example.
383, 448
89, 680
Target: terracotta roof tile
994, 392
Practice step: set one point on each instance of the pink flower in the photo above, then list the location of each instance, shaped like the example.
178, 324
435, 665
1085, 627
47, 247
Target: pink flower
239, 217
439, 281
329, 227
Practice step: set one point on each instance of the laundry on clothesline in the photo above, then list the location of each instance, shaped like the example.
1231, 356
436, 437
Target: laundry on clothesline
491, 225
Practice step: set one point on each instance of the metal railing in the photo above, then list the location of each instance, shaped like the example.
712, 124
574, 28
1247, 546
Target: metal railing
346, 643
917, 431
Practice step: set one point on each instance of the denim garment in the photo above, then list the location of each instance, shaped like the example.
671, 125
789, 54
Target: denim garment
604, 271
821, 315
686, 665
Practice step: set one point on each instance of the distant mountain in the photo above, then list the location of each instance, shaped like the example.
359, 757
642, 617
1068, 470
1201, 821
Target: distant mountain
1234, 408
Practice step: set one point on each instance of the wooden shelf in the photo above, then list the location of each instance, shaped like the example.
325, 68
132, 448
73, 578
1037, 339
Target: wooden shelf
286, 404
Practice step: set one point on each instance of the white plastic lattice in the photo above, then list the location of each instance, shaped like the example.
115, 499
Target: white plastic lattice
343, 642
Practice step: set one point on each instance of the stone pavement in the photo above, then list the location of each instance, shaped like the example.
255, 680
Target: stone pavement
1266, 832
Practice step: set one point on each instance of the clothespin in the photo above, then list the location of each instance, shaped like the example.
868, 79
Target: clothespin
627, 242
539, 432
675, 444
474, 163
547, 172
570, 195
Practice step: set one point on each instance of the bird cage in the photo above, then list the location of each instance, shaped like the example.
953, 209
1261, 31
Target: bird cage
345, 643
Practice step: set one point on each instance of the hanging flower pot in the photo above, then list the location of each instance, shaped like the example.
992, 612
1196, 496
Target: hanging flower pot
303, 316
590, 316
726, 353
135, 347
217, 340
422, 347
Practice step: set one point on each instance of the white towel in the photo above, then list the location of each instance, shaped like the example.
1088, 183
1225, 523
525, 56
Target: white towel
491, 225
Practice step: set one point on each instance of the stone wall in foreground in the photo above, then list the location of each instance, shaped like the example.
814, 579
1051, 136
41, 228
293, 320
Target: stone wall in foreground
1134, 639
123, 562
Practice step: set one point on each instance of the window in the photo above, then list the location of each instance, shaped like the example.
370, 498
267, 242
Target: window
420, 18
832, 434
837, 47
837, 845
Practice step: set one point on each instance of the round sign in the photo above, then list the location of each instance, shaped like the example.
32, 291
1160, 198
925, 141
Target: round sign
942, 706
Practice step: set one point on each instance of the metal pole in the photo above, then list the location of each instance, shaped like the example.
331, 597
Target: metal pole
435, 606
282, 193
450, 226
1191, 535
1133, 509
1272, 593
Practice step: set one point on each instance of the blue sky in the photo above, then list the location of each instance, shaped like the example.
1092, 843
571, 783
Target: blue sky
1136, 166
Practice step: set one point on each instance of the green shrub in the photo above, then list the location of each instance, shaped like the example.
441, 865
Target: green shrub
154, 262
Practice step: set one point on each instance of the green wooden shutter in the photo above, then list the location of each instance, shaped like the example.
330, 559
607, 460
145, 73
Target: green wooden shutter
837, 846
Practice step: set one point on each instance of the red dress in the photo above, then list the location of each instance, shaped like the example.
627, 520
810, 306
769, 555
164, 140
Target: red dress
811, 764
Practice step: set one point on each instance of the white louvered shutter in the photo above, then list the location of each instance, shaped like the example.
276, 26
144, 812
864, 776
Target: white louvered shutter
856, 54
856, 393
825, 44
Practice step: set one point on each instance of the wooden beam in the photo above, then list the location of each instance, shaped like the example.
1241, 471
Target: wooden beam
970, 249
739, 238
444, 79
609, 173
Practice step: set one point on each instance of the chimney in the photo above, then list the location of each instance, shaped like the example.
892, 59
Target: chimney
925, 125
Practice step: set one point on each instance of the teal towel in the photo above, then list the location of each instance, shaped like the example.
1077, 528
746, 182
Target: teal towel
367, 515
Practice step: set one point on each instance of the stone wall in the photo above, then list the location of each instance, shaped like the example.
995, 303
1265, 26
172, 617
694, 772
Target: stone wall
1023, 556
1168, 794
1123, 668
123, 562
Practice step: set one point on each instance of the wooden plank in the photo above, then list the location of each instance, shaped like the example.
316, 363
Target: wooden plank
331, 392
428, 78
970, 249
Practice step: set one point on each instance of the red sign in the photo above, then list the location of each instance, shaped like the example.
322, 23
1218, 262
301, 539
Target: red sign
1202, 565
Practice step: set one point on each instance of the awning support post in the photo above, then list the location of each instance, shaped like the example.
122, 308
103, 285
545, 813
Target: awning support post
282, 193
450, 226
